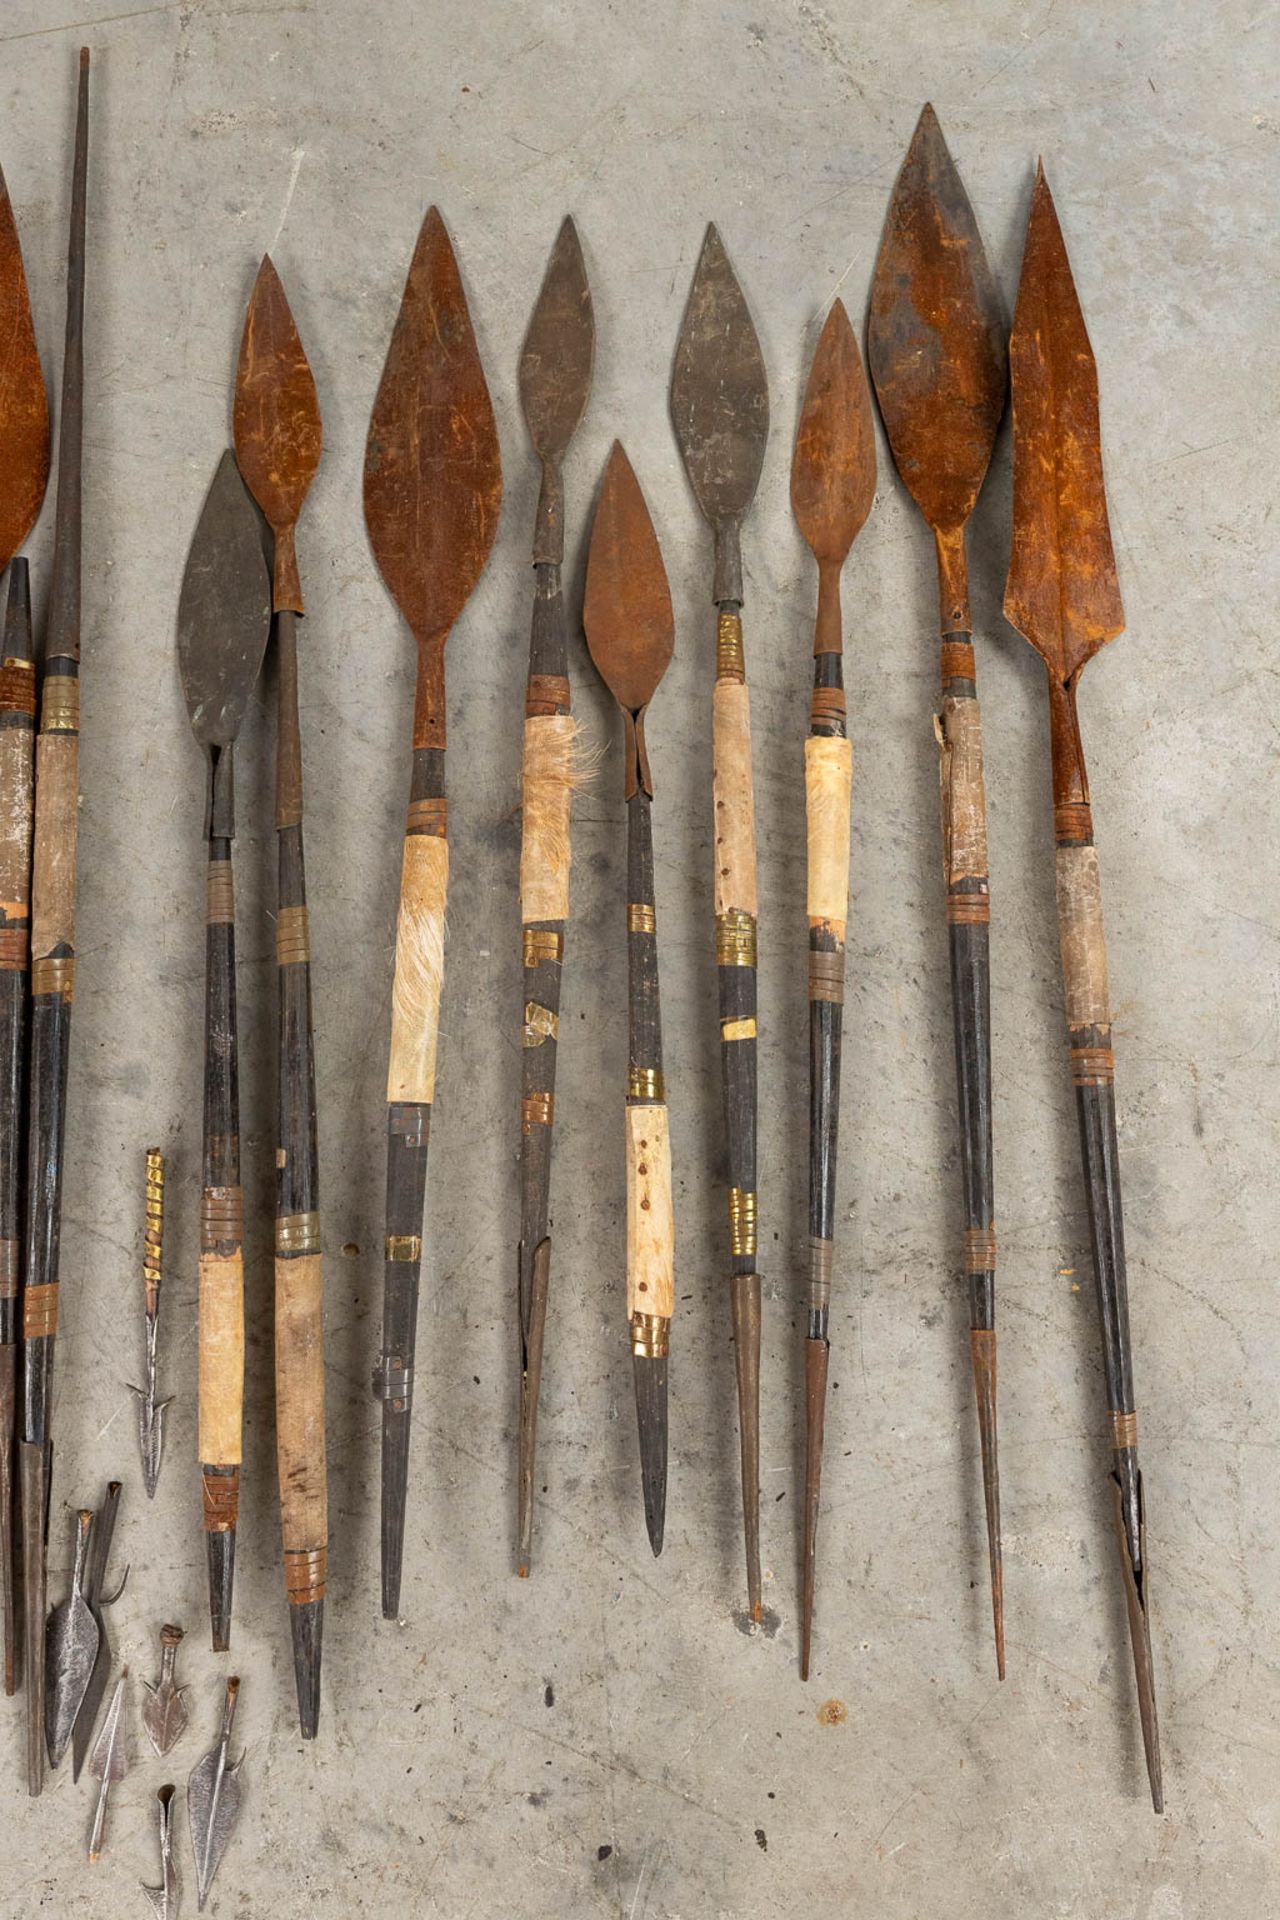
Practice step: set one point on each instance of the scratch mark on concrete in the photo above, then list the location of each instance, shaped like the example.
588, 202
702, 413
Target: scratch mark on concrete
299, 155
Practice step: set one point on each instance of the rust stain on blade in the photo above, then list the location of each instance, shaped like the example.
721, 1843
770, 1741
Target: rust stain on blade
432, 468
276, 421
627, 612
936, 335
24, 404
1062, 592
833, 469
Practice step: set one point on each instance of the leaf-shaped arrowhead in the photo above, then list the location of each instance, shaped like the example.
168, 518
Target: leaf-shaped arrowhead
24, 404
719, 389
559, 348
276, 421
1062, 592
936, 335
833, 469
432, 467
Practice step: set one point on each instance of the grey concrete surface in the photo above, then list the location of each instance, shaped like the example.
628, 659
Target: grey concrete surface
605, 1739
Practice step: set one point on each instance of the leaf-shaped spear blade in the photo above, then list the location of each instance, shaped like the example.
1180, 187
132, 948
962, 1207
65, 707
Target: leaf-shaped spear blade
1063, 595
109, 1763
936, 349
432, 493
71, 1647
555, 379
213, 1799
278, 441
833, 483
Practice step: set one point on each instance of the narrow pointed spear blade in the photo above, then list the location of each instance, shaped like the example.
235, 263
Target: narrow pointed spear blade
833, 469
936, 335
627, 612
24, 404
224, 610
71, 1647
1062, 593
719, 390
165, 1898
213, 1801
432, 467
559, 350
276, 422
110, 1758
96, 1595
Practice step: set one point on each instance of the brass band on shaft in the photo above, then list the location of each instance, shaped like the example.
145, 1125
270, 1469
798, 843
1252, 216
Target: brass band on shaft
730, 661
650, 1336
537, 1110
293, 937
298, 1233
221, 1217
541, 946
153, 1232
539, 1024
1093, 1066
646, 1084
1124, 1430
735, 939
54, 975
738, 1029
826, 976
980, 1250
219, 894
40, 1311
969, 909
18, 686
60, 704
15, 945
305, 1570
10, 1267
402, 1247
641, 918
742, 1223
820, 1258
428, 816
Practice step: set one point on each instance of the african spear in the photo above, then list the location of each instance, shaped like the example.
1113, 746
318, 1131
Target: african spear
630, 634
150, 1406
432, 493
95, 1593
936, 349
833, 484
555, 380
24, 474
278, 439
53, 905
720, 411
1063, 596
224, 612
213, 1798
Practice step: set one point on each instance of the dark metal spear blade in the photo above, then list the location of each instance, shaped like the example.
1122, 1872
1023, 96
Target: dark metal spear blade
109, 1763
559, 350
224, 611
166, 1897
164, 1711
213, 1799
24, 404
97, 1597
71, 1647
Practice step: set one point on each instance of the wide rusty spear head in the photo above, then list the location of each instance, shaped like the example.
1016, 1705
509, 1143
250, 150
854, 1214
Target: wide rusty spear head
627, 609
1062, 593
24, 404
720, 405
224, 610
833, 468
936, 335
432, 464
276, 423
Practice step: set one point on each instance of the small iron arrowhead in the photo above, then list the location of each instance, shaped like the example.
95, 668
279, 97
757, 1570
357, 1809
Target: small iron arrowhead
164, 1712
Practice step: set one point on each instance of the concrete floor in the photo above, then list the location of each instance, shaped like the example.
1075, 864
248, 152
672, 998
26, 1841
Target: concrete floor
605, 1739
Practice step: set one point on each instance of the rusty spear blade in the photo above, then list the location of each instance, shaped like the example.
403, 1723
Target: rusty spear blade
432, 469
559, 351
224, 611
164, 1711
1062, 593
720, 406
71, 1647
276, 424
24, 404
109, 1763
626, 611
833, 469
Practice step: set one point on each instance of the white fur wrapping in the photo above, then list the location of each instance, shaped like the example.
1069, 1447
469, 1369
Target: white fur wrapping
828, 792
415, 997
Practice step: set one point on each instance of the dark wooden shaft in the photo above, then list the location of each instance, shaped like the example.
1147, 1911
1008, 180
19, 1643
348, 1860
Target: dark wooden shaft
649, 1317
644, 1011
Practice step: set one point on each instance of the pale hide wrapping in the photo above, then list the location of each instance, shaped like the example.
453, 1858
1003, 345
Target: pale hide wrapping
415, 996
964, 803
300, 1402
16, 792
735, 821
828, 792
221, 1358
1084, 942
651, 1230
53, 882
553, 767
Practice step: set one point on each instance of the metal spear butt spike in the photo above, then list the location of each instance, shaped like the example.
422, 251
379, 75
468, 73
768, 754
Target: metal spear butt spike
530, 1382
213, 1798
